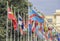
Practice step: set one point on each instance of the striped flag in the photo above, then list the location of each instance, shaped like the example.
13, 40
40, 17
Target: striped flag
21, 23
34, 16
39, 33
12, 17
33, 27
30, 26
35, 23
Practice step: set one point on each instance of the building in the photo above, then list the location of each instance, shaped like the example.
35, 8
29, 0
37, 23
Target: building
55, 20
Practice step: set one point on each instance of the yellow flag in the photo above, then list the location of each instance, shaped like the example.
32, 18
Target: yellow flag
45, 27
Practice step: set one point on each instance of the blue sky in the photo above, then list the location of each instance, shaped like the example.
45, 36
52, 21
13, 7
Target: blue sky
48, 7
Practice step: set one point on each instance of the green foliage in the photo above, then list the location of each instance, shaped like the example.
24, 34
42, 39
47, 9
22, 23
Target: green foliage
22, 5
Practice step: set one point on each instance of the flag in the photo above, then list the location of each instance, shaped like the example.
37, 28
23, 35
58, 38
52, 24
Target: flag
10, 14
34, 16
45, 34
33, 27
30, 26
35, 23
39, 33
14, 24
20, 21
12, 17
45, 27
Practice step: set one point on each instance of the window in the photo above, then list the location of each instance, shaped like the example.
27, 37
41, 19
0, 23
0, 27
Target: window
50, 20
58, 20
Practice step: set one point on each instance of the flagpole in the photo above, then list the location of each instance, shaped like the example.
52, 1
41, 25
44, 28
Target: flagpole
28, 23
24, 24
18, 25
7, 25
35, 33
11, 26
20, 29
15, 17
31, 33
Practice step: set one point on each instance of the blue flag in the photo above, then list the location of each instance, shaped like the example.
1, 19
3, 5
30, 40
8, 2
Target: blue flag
30, 29
34, 16
39, 34
20, 22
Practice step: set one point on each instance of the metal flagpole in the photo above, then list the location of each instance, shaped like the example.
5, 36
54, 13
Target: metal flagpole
31, 33
21, 27
26, 27
34, 32
14, 30
11, 27
7, 25
36, 36
24, 24
28, 23
18, 25
20, 30
42, 32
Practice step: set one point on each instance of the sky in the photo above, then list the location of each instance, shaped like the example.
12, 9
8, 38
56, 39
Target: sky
48, 7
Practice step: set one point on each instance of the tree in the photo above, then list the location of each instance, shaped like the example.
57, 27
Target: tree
22, 5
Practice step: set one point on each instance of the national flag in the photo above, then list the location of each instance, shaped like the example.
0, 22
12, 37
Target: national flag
39, 33
10, 14
20, 21
12, 17
35, 23
30, 26
34, 16
33, 27
45, 27
14, 24
41, 29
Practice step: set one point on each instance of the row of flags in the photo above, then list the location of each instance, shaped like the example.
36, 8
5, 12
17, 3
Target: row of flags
35, 24
40, 27
15, 22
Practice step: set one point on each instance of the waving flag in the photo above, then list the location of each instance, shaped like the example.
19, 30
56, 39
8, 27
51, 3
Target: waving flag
20, 21
12, 17
10, 14
39, 33
45, 27
30, 26
34, 16
33, 27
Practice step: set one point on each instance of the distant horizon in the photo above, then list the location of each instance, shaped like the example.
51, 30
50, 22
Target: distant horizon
48, 7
